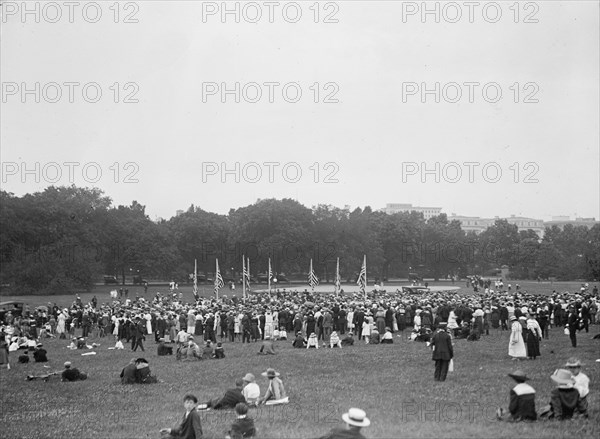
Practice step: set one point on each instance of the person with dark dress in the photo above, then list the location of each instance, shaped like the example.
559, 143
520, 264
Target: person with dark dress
573, 324
299, 342
243, 426
128, 373
40, 354
441, 343
219, 351
191, 425
534, 335
229, 400
522, 401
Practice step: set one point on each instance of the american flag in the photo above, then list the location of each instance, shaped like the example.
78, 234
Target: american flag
218, 279
362, 276
313, 280
338, 280
246, 272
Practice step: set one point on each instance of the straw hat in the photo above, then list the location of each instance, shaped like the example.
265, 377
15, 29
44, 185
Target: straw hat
270, 373
563, 378
573, 362
249, 378
356, 417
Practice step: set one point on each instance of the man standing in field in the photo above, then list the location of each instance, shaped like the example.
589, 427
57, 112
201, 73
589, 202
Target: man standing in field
441, 343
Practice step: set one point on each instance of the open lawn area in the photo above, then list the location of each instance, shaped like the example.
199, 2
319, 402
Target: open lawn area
392, 383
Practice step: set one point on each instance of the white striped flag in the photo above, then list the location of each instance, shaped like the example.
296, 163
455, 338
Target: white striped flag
246, 279
313, 280
362, 276
218, 279
338, 280
195, 291
269, 276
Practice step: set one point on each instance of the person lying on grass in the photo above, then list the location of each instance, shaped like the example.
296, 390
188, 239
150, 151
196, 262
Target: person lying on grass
522, 401
191, 426
276, 390
348, 340
72, 374
229, 400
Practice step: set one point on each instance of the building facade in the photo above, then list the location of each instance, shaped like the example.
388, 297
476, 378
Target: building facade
428, 212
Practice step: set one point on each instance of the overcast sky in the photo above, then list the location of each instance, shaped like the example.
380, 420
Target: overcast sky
371, 147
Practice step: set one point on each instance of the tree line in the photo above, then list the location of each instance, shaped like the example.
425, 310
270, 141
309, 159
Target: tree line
67, 238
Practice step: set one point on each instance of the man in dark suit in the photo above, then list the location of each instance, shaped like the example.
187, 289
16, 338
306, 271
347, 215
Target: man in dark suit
441, 343
190, 427
359, 318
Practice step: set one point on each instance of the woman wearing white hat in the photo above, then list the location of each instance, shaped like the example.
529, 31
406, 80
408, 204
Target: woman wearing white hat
355, 419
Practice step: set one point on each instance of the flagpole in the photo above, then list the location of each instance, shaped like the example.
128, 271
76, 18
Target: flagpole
243, 277
365, 264
337, 278
269, 277
248, 278
195, 279
217, 279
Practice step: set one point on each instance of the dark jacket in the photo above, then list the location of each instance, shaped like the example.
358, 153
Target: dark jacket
190, 427
242, 428
522, 403
441, 344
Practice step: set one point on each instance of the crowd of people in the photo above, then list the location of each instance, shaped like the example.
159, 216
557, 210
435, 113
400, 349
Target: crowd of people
314, 321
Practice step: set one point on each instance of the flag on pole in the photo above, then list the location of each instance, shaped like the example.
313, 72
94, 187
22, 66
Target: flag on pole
246, 275
243, 277
313, 280
269, 275
338, 280
218, 279
362, 276
195, 291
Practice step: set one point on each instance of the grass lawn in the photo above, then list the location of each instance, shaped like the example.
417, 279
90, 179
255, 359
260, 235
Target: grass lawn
393, 383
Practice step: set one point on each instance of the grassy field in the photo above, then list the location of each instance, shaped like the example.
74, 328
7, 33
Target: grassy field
393, 383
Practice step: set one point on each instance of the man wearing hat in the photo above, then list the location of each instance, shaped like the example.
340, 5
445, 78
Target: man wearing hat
40, 354
355, 419
522, 400
441, 343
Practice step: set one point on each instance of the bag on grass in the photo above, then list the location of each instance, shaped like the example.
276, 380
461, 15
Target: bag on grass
451, 365
567, 331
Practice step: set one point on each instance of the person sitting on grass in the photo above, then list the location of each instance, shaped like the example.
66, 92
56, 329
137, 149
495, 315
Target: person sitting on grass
251, 390
348, 340
582, 384
207, 352
267, 347
40, 354
72, 374
163, 349
388, 337
229, 400
334, 340
142, 373
243, 426
564, 399
355, 419
522, 401
313, 341
299, 342
191, 426
219, 351
23, 358
128, 373
375, 336
276, 391
191, 351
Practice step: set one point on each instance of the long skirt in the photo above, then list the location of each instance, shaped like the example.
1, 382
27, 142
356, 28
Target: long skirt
533, 344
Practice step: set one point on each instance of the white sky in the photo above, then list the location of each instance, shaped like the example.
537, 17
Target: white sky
369, 134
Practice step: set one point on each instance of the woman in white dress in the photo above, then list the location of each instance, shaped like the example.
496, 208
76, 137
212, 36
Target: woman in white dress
516, 345
237, 325
60, 328
366, 328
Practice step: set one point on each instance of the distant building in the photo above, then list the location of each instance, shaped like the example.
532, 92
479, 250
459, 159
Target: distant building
478, 225
428, 212
178, 212
562, 221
